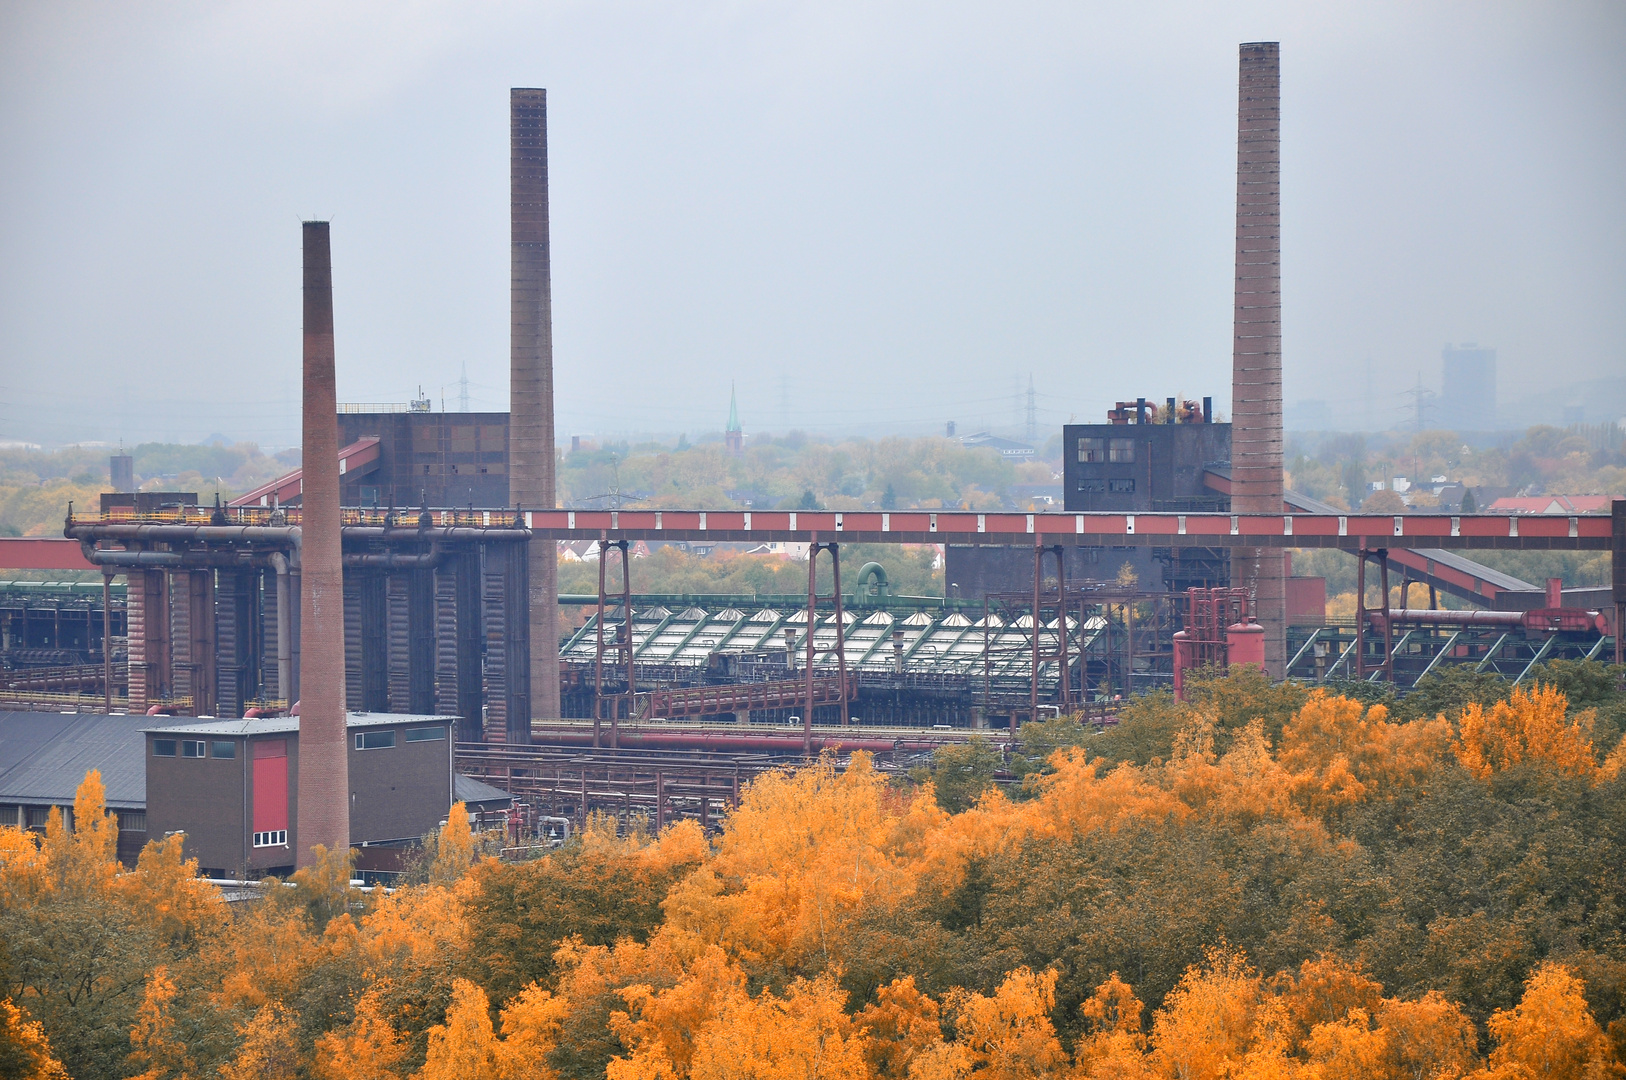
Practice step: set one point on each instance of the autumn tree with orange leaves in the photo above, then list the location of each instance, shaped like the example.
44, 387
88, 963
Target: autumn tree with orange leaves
1266, 882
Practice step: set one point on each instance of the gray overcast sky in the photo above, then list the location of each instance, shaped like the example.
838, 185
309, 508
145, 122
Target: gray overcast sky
870, 216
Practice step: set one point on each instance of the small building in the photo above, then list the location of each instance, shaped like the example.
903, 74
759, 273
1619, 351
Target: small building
44, 758
232, 786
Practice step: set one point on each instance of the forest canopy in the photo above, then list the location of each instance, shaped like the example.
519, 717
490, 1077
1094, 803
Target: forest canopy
1264, 882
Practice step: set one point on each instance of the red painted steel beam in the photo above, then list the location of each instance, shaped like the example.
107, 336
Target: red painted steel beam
1350, 532
41, 553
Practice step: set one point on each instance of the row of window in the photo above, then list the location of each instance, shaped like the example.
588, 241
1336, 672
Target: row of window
194, 748
273, 838
224, 748
1095, 485
385, 740
1093, 451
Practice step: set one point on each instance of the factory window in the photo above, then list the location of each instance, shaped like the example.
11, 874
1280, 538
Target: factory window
1093, 485
1121, 451
38, 816
8, 815
133, 820
425, 734
190, 748
223, 748
1121, 487
375, 740
163, 748
1091, 451
273, 838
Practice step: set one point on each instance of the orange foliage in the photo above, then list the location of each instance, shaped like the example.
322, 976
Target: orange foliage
25, 1050
1009, 1036
1531, 725
901, 1022
368, 1048
1550, 1033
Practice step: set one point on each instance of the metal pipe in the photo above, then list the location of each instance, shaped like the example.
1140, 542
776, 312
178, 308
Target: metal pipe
107, 639
1452, 618
841, 631
236, 534
279, 563
174, 559
398, 561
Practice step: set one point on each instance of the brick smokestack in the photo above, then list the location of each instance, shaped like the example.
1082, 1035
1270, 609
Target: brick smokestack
1256, 357
324, 768
530, 422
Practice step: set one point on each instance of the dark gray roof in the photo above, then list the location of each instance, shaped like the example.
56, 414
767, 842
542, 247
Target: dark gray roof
466, 789
276, 725
45, 756
1506, 582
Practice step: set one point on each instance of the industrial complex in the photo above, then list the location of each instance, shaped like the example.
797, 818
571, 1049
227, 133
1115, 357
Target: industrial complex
336, 656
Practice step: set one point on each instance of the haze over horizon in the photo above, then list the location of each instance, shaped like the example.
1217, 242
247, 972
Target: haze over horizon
867, 218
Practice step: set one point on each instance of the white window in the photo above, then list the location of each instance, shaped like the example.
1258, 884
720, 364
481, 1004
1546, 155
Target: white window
191, 749
274, 838
375, 740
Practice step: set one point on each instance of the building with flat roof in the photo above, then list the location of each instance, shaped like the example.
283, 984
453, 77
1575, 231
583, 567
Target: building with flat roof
1467, 388
231, 786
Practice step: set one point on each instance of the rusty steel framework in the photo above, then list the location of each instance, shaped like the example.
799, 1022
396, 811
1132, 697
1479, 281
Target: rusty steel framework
840, 648
1093, 631
1256, 363
1362, 613
649, 787
620, 704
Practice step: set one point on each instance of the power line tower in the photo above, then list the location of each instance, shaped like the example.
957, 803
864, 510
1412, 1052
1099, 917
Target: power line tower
463, 390
1033, 412
1420, 402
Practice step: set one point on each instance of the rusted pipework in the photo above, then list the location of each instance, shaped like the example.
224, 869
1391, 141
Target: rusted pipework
393, 560
282, 535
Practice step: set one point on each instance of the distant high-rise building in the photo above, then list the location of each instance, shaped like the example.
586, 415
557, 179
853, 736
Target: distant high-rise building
1467, 388
121, 471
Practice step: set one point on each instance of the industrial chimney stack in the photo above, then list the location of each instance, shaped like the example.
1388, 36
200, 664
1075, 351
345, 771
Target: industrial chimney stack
1256, 357
324, 770
530, 438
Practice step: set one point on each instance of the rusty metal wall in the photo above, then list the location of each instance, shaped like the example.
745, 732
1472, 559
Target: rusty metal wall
531, 435
470, 646
375, 642
233, 641
354, 679
1256, 363
420, 697
398, 644
324, 786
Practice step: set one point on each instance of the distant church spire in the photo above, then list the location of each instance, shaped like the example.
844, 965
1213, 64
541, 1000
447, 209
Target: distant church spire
733, 435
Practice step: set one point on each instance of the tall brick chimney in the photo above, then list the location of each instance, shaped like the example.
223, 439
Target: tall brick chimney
530, 423
324, 768
1256, 356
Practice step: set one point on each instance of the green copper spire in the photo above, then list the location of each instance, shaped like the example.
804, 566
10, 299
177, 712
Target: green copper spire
733, 410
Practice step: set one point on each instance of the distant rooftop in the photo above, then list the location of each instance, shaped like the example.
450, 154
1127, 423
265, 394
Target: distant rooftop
274, 725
